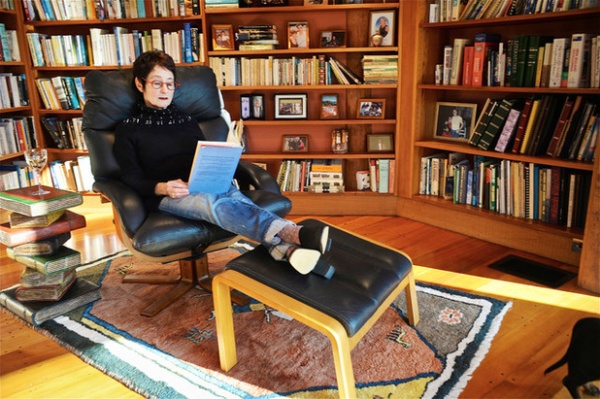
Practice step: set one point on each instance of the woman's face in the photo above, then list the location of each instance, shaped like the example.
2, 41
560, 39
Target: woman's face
158, 97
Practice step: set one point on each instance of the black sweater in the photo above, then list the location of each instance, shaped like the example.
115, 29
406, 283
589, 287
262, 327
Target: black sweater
153, 146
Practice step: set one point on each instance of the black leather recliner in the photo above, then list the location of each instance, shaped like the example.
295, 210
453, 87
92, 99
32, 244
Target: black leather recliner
156, 236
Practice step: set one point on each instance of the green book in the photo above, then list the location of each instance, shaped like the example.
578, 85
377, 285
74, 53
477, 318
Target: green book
81, 293
63, 259
21, 200
489, 108
494, 127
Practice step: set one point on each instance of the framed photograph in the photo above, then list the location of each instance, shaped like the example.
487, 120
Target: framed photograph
380, 142
371, 108
290, 106
258, 106
316, 2
298, 34
454, 121
245, 101
222, 36
329, 106
382, 28
336, 38
295, 143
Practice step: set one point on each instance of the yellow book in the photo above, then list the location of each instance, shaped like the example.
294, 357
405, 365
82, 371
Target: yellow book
19, 221
532, 121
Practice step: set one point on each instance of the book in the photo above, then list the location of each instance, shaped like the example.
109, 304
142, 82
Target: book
533, 119
80, 294
63, 259
521, 127
493, 129
509, 129
46, 246
467, 65
489, 108
560, 126
214, 166
15, 237
19, 221
458, 51
22, 201
579, 60
482, 44
51, 292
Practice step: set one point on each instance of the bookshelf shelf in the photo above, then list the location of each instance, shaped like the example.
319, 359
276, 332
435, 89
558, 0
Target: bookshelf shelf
508, 89
301, 8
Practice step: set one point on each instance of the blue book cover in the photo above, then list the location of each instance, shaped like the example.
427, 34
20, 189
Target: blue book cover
187, 42
214, 165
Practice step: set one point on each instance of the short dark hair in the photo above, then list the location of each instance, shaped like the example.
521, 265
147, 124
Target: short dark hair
146, 62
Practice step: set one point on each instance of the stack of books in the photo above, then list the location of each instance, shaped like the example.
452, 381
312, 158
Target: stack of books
257, 37
221, 4
380, 69
326, 176
35, 234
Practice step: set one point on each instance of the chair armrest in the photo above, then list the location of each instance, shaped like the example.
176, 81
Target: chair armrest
127, 202
249, 174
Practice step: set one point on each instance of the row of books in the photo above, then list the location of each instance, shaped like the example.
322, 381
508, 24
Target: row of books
558, 126
7, 4
35, 236
13, 90
17, 134
380, 69
74, 175
65, 133
381, 176
523, 61
256, 37
62, 92
311, 175
454, 10
521, 189
271, 71
116, 46
63, 10
9, 46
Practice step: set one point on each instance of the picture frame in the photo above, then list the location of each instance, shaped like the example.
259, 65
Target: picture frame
380, 142
370, 108
329, 106
222, 37
291, 106
294, 143
298, 36
258, 106
335, 38
454, 121
311, 3
245, 106
382, 28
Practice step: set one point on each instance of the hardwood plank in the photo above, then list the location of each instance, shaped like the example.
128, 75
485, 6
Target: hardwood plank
533, 335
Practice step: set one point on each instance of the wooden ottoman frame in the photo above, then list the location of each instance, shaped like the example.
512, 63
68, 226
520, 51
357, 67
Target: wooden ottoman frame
341, 343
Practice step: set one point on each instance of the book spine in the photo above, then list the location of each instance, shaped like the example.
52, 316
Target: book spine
16, 307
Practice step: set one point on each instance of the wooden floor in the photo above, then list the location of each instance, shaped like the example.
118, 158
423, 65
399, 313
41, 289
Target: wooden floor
534, 334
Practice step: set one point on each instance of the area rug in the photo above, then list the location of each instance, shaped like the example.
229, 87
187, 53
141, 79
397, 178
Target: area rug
175, 354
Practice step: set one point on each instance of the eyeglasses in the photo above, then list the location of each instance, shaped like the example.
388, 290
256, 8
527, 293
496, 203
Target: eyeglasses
157, 84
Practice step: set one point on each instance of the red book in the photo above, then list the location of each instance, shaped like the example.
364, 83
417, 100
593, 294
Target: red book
467, 75
484, 42
13, 237
560, 126
516, 148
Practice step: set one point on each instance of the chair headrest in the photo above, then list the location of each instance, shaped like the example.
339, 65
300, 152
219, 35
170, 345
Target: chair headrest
111, 96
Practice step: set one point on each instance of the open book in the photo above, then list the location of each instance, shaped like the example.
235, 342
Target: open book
214, 165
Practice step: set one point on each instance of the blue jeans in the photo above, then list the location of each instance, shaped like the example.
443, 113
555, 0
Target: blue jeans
234, 212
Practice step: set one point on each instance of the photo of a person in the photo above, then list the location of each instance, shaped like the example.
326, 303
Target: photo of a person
456, 124
454, 120
382, 26
295, 143
258, 108
298, 35
222, 37
382, 29
371, 109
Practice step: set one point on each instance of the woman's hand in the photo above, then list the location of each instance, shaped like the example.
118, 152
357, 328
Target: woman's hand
173, 188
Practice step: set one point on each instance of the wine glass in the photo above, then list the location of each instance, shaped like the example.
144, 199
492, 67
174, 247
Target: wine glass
37, 158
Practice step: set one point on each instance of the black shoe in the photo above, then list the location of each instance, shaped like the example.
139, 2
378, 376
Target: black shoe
324, 269
315, 238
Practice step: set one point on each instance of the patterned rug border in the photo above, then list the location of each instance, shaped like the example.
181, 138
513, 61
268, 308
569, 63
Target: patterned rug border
174, 378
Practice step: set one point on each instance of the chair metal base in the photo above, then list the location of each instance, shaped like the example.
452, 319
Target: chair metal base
192, 272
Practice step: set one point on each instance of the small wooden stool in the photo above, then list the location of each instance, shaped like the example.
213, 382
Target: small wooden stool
368, 278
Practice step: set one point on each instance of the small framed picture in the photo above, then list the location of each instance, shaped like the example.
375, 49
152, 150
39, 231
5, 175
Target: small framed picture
298, 35
382, 28
371, 108
380, 142
454, 121
245, 100
258, 106
336, 38
295, 143
222, 37
316, 2
290, 106
329, 106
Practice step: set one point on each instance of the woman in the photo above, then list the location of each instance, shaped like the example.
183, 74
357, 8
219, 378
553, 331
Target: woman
155, 150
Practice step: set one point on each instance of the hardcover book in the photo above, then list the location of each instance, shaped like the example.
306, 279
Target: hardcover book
31, 278
53, 292
493, 129
214, 166
19, 221
21, 201
14, 237
46, 246
80, 294
63, 259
